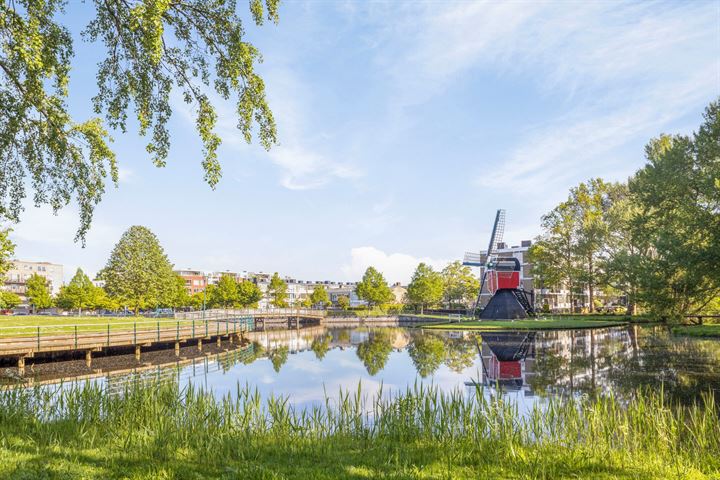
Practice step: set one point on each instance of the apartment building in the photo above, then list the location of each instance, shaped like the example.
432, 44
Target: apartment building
16, 278
195, 280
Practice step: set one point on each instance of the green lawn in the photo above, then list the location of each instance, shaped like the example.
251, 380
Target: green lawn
698, 330
556, 323
21, 325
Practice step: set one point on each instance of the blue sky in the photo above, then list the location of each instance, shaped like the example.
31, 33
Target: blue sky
402, 128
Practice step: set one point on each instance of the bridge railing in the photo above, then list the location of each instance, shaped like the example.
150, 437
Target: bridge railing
229, 313
106, 334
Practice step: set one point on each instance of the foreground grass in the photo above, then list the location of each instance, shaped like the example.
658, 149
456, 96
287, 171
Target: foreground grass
551, 323
698, 330
165, 432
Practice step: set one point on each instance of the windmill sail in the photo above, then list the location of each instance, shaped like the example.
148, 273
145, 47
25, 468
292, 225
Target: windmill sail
475, 260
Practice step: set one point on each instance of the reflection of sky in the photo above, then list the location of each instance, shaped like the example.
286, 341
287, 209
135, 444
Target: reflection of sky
306, 381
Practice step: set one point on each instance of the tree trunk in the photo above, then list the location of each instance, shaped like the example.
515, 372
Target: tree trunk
591, 285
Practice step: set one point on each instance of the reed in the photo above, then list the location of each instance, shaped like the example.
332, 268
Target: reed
165, 431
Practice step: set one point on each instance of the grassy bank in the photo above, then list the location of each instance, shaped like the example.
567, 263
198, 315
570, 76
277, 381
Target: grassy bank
168, 433
698, 330
550, 323
26, 325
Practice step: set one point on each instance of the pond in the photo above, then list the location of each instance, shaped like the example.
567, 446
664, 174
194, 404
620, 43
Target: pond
310, 365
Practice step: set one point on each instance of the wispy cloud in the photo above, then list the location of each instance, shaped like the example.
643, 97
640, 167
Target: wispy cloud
619, 72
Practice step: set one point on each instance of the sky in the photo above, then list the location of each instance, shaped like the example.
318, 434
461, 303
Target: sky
402, 128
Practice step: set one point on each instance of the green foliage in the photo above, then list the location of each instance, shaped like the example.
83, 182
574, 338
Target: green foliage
277, 291
321, 345
79, 294
678, 223
9, 300
343, 302
320, 296
178, 295
37, 292
225, 294
152, 48
460, 286
427, 352
425, 288
278, 357
375, 352
373, 288
249, 294
138, 273
7, 250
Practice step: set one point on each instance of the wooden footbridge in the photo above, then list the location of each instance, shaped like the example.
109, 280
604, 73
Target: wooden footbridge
22, 342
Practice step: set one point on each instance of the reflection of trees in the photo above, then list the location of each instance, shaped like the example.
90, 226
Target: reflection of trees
343, 336
278, 357
683, 367
375, 352
460, 353
254, 353
427, 352
320, 345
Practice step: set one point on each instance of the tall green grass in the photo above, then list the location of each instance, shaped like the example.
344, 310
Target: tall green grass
163, 431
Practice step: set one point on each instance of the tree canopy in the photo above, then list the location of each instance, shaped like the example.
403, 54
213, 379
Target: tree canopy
373, 288
138, 273
150, 49
319, 296
277, 291
79, 294
37, 292
249, 294
460, 286
425, 288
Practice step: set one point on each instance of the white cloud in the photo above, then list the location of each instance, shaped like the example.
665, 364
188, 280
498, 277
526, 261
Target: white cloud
304, 169
396, 267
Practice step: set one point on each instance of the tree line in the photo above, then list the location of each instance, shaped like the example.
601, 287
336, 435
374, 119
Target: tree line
654, 239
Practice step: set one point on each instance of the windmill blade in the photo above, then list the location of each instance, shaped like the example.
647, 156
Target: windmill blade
496, 236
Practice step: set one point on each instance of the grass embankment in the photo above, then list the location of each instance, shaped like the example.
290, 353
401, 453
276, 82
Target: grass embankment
709, 331
164, 433
541, 323
26, 325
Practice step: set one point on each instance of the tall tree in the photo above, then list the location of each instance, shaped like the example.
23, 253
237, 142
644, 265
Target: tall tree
374, 288
226, 293
678, 195
590, 203
460, 286
249, 294
425, 288
319, 296
277, 291
553, 254
37, 292
151, 49
138, 273
78, 294
343, 302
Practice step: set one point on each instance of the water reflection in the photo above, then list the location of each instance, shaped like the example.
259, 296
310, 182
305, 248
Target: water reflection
308, 364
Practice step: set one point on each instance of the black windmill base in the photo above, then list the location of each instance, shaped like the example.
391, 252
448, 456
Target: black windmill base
507, 304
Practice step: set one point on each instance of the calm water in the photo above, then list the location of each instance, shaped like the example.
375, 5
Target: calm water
308, 365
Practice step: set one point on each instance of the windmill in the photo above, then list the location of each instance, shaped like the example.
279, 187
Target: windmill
502, 275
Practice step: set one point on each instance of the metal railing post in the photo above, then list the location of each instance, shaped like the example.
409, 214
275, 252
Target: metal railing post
177, 331
38, 337
193, 328
75, 337
134, 333
108, 334
158, 330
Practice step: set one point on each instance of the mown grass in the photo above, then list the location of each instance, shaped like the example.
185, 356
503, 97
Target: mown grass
698, 330
26, 325
551, 323
166, 432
